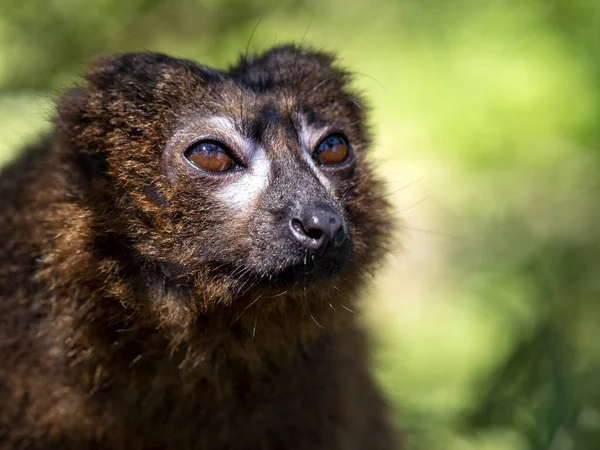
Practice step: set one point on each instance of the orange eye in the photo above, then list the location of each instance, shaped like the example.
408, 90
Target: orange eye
333, 149
209, 156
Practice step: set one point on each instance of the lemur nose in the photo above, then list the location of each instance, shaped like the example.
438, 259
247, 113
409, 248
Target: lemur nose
318, 228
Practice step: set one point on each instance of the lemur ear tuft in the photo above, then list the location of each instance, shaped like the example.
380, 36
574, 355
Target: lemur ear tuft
71, 103
288, 64
140, 74
282, 58
72, 108
128, 67
73, 118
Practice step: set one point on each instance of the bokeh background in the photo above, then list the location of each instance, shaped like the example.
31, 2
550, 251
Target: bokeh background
486, 318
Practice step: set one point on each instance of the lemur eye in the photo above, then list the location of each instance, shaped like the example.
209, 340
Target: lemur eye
334, 149
209, 156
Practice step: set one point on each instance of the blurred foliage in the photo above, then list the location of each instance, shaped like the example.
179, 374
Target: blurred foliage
487, 318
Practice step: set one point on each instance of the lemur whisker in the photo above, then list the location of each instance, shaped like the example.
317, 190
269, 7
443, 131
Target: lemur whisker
366, 75
244, 68
249, 306
417, 203
433, 232
300, 80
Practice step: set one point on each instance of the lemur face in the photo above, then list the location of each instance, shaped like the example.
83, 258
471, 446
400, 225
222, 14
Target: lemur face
257, 173
276, 182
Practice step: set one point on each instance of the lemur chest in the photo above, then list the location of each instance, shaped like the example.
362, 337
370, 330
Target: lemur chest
286, 412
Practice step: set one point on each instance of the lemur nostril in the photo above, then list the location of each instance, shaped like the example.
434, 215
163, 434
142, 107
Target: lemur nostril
300, 228
314, 233
318, 228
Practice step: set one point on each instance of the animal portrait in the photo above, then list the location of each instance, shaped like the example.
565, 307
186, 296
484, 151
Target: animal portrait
181, 259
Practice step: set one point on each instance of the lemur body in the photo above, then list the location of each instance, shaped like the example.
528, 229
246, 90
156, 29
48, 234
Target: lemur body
179, 258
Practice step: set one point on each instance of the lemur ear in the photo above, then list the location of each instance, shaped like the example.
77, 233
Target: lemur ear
105, 72
137, 71
289, 64
283, 58
71, 104
73, 117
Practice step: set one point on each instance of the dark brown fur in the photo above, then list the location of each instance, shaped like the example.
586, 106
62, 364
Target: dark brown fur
137, 313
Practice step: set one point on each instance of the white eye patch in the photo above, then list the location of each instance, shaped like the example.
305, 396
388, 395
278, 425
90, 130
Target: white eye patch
240, 193
316, 171
308, 139
251, 182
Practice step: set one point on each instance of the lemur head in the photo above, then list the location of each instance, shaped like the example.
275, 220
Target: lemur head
255, 176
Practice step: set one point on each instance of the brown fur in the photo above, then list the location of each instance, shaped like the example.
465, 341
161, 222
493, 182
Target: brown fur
136, 312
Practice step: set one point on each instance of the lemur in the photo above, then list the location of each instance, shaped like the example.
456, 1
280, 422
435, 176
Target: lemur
180, 258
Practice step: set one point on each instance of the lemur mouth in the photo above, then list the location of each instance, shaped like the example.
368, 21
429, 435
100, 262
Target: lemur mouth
298, 270
301, 273
310, 269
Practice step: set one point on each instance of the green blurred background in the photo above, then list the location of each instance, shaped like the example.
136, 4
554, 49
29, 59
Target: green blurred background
486, 317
